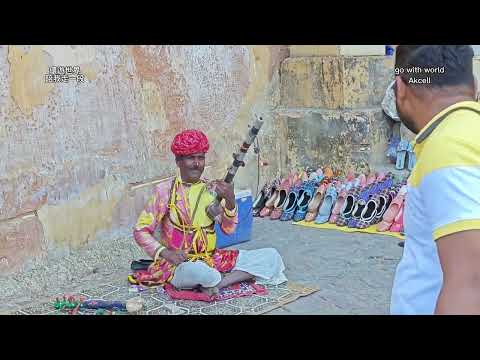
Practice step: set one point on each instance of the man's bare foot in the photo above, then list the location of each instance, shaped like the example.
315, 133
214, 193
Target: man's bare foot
210, 291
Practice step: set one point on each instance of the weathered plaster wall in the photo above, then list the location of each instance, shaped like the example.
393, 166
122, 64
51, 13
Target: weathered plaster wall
78, 159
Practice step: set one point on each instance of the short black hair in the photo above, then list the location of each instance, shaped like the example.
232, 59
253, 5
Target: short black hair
456, 61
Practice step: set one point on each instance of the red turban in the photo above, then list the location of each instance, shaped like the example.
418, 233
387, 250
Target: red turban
190, 142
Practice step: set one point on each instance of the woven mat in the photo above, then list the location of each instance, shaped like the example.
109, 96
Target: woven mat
370, 230
159, 303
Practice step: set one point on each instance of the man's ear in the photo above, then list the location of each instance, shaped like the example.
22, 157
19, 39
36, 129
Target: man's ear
401, 87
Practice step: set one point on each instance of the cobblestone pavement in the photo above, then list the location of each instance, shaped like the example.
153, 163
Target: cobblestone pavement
353, 271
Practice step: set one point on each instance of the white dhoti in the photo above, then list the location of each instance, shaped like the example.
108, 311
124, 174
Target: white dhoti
265, 264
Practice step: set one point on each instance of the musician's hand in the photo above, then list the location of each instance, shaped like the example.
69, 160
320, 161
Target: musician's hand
175, 257
225, 191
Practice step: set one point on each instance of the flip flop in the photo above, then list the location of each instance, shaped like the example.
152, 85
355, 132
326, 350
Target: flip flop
402, 149
326, 208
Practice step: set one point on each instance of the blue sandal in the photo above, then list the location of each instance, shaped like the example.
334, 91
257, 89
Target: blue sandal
304, 200
402, 149
411, 157
327, 205
290, 205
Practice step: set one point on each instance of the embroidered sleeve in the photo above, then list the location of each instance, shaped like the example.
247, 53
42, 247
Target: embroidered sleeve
148, 221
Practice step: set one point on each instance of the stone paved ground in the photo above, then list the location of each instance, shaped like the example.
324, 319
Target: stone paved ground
353, 271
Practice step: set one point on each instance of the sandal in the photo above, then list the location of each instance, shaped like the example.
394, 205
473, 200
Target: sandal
328, 172
326, 208
350, 176
362, 181
315, 203
260, 201
282, 191
381, 176
397, 225
303, 201
317, 176
371, 178
411, 157
346, 212
268, 208
342, 194
368, 213
359, 206
291, 204
392, 148
392, 211
402, 149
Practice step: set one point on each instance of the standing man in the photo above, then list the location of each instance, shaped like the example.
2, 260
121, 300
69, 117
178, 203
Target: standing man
439, 272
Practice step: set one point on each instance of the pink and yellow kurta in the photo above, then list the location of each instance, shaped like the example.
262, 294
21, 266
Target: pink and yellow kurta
180, 211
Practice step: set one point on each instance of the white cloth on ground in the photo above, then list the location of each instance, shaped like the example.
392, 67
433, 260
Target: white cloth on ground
265, 264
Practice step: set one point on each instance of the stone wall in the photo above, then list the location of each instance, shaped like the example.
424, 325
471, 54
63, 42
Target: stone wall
330, 102
78, 160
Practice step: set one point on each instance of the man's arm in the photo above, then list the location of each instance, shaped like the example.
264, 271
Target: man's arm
460, 260
147, 223
229, 209
229, 219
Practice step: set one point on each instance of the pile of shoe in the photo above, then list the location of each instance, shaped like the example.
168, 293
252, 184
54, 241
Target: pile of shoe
320, 196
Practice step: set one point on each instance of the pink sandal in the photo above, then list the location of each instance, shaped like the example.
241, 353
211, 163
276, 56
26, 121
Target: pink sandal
337, 208
397, 225
371, 178
363, 180
392, 211
315, 203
